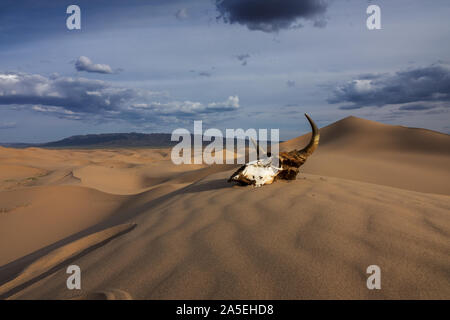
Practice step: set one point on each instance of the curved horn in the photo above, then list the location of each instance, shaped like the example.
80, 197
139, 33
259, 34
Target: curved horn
314, 142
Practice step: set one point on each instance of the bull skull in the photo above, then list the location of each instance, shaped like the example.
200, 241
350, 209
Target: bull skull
261, 172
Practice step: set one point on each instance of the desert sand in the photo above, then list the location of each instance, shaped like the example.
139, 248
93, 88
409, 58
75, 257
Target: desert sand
141, 227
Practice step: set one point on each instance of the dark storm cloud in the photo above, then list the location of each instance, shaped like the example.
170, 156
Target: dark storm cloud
74, 94
271, 15
416, 107
422, 88
204, 74
290, 83
80, 98
243, 58
85, 64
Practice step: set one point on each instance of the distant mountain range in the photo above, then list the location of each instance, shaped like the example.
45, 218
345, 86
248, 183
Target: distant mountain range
104, 140
107, 140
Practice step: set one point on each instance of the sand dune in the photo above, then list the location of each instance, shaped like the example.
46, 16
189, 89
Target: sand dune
363, 150
356, 135
371, 194
35, 217
311, 238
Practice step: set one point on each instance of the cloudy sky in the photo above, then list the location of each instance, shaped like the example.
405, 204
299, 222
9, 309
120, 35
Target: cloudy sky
157, 65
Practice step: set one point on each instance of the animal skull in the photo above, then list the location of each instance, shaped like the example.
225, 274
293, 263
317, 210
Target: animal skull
261, 172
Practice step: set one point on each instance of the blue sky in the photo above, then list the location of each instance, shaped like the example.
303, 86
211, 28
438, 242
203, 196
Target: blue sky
153, 66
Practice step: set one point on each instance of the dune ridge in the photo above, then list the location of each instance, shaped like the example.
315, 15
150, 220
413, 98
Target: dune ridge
62, 254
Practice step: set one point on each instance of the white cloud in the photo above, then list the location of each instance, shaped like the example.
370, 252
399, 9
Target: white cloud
362, 86
81, 98
85, 64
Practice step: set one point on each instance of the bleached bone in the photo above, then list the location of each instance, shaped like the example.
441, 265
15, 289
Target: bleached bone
261, 172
